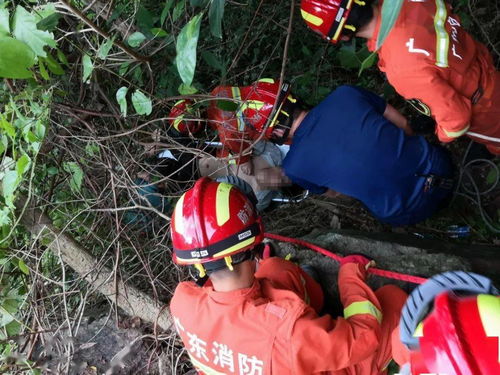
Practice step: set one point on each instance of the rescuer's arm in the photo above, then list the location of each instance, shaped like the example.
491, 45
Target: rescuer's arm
325, 344
450, 109
393, 115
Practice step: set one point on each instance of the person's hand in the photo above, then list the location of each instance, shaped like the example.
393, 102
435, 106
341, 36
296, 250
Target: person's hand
364, 262
272, 178
247, 168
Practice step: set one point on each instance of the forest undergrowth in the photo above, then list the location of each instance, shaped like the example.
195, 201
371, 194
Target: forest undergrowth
87, 107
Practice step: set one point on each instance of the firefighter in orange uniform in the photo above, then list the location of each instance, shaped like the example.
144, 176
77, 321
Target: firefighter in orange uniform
428, 58
256, 318
238, 114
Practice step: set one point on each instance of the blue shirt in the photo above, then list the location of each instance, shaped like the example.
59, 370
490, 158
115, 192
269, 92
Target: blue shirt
346, 144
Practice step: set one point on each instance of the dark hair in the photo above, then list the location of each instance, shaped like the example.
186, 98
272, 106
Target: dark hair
359, 16
181, 171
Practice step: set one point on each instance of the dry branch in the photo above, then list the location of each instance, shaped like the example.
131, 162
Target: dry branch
131, 300
103, 33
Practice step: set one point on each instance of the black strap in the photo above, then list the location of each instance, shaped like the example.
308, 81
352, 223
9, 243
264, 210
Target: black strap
338, 19
209, 252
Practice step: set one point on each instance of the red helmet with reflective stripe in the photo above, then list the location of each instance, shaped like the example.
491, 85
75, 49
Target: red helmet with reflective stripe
184, 118
254, 106
328, 17
460, 335
213, 221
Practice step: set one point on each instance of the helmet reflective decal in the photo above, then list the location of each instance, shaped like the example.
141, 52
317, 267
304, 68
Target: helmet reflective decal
489, 310
233, 248
222, 203
179, 218
311, 18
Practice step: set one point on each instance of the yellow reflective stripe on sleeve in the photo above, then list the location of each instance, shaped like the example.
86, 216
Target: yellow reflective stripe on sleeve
311, 18
178, 215
442, 37
204, 368
456, 134
236, 247
364, 307
419, 331
222, 203
266, 80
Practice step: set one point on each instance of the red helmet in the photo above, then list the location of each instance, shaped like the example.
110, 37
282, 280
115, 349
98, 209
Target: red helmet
179, 117
328, 17
460, 335
212, 222
255, 113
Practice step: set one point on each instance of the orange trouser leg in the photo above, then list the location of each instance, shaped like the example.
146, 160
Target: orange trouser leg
392, 300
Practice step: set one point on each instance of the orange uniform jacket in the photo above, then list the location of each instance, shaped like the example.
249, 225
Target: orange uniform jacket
270, 329
429, 57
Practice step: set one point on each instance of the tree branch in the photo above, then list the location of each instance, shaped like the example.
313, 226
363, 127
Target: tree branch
104, 34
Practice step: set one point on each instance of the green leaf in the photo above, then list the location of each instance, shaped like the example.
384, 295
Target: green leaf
367, 63
141, 103
187, 90
76, 175
53, 65
348, 59
158, 32
5, 217
105, 48
144, 18
121, 98
164, 12
88, 67
212, 60
62, 57
492, 176
179, 8
49, 23
43, 69
23, 267
186, 49
390, 13
4, 142
52, 171
22, 165
44, 11
198, 3
92, 149
7, 127
123, 69
4, 22
136, 39
215, 15
10, 183
227, 105
24, 29
15, 59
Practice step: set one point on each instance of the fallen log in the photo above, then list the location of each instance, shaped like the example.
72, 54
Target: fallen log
131, 300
